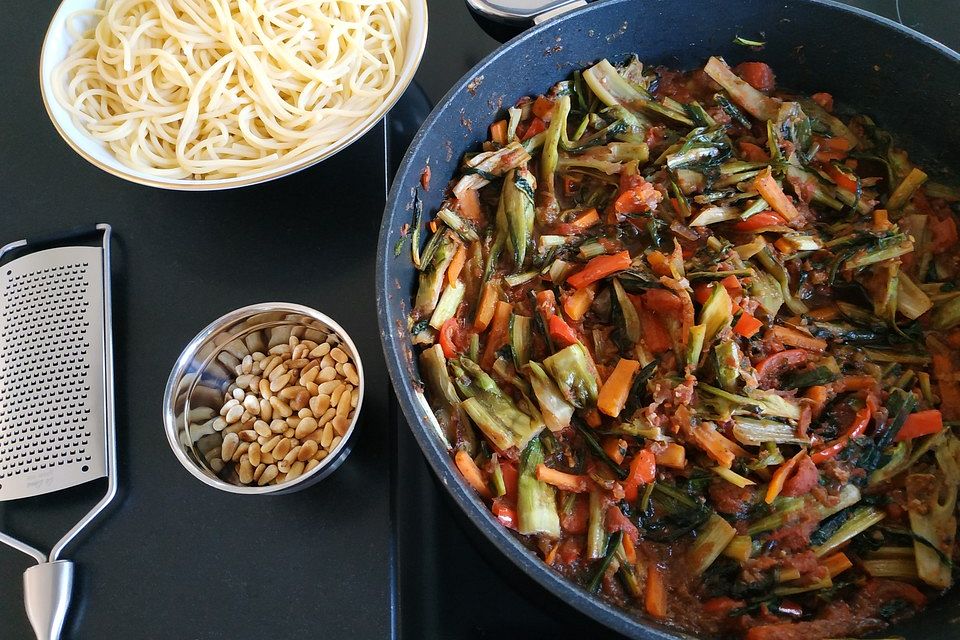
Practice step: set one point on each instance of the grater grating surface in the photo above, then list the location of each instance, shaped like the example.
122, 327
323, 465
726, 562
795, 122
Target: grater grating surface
52, 407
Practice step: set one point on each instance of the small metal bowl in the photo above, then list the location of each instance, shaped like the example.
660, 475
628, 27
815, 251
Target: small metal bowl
206, 369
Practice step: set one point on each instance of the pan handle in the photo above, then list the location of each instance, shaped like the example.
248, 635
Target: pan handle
504, 19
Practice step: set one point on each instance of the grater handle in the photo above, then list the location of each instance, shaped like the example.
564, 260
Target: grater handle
46, 594
47, 240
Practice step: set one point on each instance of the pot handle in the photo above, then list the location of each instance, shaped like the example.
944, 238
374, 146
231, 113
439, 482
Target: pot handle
504, 19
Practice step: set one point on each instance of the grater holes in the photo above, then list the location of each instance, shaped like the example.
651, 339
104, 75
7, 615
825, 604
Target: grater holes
41, 430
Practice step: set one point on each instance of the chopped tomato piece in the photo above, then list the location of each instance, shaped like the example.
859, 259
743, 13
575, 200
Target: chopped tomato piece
758, 75
760, 220
752, 152
825, 100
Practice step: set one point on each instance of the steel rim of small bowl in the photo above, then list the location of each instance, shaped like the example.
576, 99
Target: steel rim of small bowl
171, 425
125, 173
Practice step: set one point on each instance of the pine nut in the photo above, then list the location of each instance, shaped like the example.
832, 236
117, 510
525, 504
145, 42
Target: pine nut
289, 433
271, 443
304, 413
309, 375
254, 453
327, 436
321, 454
278, 426
241, 450
298, 363
280, 382
252, 404
319, 404
351, 372
327, 374
266, 409
300, 400
269, 474
327, 362
244, 381
310, 465
259, 471
248, 436
292, 456
306, 427
296, 470
238, 394
320, 351
219, 423
264, 385
343, 409
336, 443
327, 416
289, 393
267, 458
335, 396
262, 428
282, 448
307, 450
341, 424
246, 472
328, 386
217, 465
235, 413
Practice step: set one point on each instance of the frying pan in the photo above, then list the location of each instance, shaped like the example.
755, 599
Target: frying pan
907, 82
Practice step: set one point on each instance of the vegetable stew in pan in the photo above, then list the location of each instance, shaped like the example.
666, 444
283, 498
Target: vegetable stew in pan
696, 339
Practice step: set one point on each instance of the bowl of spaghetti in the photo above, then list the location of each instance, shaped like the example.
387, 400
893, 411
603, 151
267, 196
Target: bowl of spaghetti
214, 94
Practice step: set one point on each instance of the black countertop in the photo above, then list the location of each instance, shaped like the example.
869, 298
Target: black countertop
374, 551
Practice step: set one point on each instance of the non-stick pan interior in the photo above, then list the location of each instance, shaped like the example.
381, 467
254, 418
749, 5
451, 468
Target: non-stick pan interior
907, 83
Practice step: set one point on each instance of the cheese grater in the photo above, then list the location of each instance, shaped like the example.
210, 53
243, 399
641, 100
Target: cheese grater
56, 393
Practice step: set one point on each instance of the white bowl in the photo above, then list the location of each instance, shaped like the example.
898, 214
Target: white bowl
56, 45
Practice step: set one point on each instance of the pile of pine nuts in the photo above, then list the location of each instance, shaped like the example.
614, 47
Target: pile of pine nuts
287, 410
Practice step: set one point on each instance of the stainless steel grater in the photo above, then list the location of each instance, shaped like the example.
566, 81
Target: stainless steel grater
56, 393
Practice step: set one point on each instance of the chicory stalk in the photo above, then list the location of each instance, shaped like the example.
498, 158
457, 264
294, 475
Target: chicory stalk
934, 519
574, 373
491, 164
551, 144
515, 213
554, 407
444, 399
536, 500
494, 412
431, 279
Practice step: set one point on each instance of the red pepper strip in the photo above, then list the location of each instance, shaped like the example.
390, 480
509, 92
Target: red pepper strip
561, 333
920, 424
857, 429
598, 268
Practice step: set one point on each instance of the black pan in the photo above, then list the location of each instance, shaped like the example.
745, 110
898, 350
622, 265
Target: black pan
907, 82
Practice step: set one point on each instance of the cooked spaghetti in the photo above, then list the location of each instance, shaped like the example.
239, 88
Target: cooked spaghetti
209, 89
